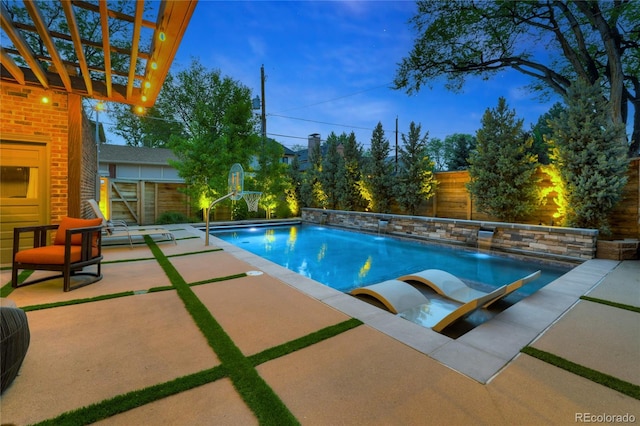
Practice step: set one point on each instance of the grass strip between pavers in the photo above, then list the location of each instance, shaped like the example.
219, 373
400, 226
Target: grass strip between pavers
303, 342
128, 401
259, 397
7, 289
603, 379
194, 252
612, 304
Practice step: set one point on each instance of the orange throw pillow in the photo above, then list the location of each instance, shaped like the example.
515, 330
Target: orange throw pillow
72, 223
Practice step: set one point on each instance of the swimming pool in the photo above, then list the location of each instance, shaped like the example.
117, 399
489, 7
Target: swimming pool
345, 260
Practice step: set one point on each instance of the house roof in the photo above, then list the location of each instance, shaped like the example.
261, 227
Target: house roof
151, 50
124, 154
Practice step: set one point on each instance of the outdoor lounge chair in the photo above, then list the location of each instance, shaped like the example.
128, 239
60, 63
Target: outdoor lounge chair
409, 303
119, 228
454, 288
396, 296
76, 245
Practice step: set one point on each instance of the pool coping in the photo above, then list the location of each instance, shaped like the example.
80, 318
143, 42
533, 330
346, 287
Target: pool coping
480, 353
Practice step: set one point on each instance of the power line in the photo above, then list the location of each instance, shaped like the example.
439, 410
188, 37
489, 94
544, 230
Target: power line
321, 122
339, 97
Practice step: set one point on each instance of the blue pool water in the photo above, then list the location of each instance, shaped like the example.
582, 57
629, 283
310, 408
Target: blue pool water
346, 260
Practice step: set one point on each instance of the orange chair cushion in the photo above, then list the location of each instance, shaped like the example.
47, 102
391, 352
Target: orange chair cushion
72, 223
50, 255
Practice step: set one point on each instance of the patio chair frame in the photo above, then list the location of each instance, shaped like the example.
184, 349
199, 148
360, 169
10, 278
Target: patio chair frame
91, 239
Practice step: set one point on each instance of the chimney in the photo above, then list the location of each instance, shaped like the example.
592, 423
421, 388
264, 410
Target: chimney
313, 142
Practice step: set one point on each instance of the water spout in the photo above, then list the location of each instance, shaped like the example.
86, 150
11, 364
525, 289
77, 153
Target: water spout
382, 226
485, 237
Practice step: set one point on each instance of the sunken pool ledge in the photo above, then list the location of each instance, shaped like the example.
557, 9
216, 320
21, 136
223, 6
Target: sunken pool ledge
550, 242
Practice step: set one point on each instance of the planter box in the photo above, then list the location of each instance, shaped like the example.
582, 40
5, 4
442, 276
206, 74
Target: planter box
618, 249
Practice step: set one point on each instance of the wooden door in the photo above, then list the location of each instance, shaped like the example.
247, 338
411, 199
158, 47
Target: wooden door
24, 192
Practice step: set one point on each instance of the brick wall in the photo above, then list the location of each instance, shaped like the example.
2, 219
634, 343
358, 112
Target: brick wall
25, 117
554, 243
89, 167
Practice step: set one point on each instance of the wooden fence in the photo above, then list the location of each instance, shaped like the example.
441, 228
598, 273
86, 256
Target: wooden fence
452, 200
142, 202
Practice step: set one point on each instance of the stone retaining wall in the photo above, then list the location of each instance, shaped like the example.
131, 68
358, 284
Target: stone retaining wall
556, 243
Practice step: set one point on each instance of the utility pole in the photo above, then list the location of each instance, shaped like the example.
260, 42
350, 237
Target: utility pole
264, 108
396, 144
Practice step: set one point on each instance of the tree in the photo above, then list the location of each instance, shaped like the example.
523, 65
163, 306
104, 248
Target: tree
502, 169
219, 129
436, 152
350, 183
458, 149
152, 130
332, 168
379, 172
311, 192
271, 177
541, 132
415, 181
592, 40
592, 166
294, 197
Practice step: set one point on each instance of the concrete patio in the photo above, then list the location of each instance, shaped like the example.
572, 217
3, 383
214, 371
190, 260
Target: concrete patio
386, 371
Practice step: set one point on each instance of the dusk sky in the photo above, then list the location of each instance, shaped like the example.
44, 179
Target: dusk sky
330, 65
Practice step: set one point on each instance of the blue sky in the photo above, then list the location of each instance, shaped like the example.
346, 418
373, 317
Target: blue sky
334, 62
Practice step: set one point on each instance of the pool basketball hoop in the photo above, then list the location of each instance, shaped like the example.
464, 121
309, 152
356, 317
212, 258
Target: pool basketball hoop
252, 198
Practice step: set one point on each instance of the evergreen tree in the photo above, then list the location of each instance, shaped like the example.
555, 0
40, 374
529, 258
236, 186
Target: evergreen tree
541, 132
332, 168
311, 192
294, 197
380, 172
502, 169
350, 195
415, 181
457, 150
589, 157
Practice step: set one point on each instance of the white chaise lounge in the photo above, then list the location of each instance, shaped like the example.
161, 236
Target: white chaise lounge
119, 229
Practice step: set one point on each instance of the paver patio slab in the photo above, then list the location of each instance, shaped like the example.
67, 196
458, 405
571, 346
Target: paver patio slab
622, 285
203, 266
597, 336
261, 312
532, 392
362, 377
85, 353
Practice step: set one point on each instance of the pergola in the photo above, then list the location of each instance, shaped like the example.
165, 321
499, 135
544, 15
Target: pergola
149, 52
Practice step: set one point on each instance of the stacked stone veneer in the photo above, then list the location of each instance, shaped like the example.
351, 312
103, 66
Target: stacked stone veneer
550, 242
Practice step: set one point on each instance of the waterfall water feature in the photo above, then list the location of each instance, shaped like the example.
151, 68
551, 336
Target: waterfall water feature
485, 238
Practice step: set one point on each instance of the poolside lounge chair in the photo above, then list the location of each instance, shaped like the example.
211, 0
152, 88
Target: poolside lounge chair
454, 288
119, 229
409, 303
396, 296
